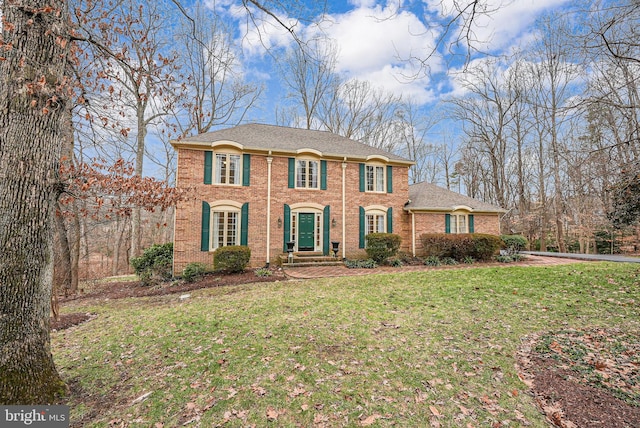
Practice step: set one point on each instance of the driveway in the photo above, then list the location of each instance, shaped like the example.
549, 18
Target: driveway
589, 257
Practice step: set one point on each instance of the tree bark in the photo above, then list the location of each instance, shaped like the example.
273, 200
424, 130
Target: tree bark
33, 100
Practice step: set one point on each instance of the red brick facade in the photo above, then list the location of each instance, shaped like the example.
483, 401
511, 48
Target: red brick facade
265, 207
342, 228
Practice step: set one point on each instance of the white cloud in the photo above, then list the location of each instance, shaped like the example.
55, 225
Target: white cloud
374, 43
505, 23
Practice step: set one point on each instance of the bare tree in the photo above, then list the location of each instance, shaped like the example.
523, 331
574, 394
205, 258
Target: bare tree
215, 88
485, 114
309, 75
354, 109
555, 72
138, 66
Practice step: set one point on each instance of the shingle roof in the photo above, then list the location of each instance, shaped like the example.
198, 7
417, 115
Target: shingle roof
282, 139
429, 197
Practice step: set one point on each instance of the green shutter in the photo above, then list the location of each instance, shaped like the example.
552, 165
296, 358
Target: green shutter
361, 229
471, 229
362, 180
246, 169
286, 226
390, 220
323, 174
208, 166
389, 179
292, 173
326, 232
447, 223
244, 224
205, 231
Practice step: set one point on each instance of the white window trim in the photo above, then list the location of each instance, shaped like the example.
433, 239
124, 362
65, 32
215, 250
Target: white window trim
455, 220
224, 207
375, 166
308, 175
378, 211
214, 169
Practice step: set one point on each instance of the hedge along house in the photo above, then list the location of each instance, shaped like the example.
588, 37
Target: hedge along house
264, 186
434, 209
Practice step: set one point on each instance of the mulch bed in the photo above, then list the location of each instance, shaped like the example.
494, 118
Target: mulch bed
584, 378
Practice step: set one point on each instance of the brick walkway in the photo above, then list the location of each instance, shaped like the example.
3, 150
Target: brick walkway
308, 272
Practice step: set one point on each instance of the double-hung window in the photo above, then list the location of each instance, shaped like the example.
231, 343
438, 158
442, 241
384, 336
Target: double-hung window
458, 223
227, 169
307, 173
375, 178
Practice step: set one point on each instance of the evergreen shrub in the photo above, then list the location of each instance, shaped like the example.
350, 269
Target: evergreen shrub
232, 258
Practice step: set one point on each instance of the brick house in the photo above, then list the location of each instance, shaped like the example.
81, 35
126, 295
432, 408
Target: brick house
263, 186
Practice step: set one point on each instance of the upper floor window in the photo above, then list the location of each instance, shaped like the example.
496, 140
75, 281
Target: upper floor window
227, 168
307, 173
375, 178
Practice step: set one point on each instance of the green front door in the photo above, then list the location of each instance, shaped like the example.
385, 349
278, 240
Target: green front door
306, 229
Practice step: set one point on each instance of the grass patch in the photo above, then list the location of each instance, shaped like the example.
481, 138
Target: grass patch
411, 349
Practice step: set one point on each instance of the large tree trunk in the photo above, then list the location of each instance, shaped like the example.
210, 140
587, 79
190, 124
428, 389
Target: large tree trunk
33, 99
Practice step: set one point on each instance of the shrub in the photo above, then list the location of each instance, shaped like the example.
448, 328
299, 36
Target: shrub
485, 246
504, 259
469, 260
381, 246
155, 263
193, 271
449, 261
361, 264
232, 258
396, 262
432, 261
263, 272
442, 245
514, 243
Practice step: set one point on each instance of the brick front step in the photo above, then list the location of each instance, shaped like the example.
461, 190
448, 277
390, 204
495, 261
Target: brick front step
310, 259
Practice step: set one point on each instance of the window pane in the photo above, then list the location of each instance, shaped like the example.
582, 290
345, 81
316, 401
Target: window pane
462, 224
221, 169
379, 179
301, 174
380, 224
370, 180
313, 174
370, 224
232, 223
218, 229
234, 169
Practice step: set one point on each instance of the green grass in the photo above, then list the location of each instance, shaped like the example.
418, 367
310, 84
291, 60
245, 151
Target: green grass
411, 349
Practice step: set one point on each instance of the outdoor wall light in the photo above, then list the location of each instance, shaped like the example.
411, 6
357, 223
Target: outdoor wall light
279, 222
334, 222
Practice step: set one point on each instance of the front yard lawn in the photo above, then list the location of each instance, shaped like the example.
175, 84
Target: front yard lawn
435, 348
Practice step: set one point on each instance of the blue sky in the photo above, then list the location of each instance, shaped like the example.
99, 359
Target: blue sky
374, 38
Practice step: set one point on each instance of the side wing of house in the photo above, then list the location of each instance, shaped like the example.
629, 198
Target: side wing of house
434, 209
